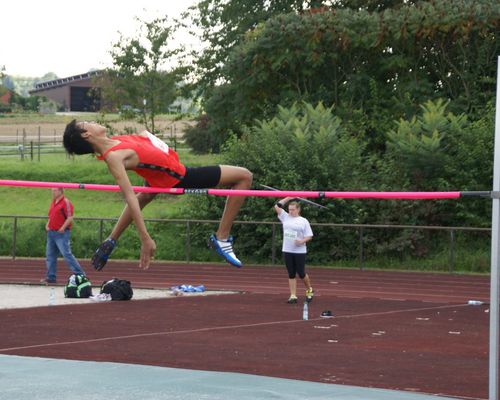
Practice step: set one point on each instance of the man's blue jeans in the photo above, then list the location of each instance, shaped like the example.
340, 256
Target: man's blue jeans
59, 243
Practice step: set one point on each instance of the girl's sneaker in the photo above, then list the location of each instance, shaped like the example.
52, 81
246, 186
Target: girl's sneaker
309, 294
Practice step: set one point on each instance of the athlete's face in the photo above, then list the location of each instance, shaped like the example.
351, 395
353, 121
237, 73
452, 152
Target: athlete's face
93, 128
293, 210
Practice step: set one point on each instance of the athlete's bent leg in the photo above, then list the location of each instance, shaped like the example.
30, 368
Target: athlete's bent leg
237, 178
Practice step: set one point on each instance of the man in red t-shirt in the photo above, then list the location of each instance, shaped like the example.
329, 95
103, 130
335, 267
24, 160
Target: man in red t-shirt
58, 229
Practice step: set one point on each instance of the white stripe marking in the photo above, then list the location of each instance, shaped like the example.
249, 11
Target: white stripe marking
219, 328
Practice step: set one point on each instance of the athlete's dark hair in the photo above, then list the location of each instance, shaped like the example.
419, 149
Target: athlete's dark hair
73, 141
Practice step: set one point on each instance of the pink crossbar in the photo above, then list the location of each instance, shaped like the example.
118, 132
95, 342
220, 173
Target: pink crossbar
337, 195
233, 192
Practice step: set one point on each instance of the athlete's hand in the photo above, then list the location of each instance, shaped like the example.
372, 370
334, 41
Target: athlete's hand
148, 248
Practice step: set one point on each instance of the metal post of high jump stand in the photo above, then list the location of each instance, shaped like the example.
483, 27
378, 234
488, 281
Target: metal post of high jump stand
495, 255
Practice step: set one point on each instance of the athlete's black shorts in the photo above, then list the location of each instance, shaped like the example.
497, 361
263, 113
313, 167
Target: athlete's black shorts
295, 264
200, 177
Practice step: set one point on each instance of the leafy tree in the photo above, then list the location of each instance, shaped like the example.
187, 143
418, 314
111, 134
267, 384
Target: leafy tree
197, 136
374, 66
23, 84
49, 76
30, 103
223, 24
8, 82
418, 147
437, 151
470, 167
139, 79
372, 5
47, 106
434, 150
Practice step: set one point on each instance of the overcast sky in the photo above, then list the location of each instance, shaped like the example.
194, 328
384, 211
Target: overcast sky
71, 37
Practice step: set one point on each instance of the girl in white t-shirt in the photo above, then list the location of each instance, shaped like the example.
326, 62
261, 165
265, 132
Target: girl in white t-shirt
296, 233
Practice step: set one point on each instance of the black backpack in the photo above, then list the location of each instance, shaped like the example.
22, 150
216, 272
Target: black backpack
119, 289
78, 287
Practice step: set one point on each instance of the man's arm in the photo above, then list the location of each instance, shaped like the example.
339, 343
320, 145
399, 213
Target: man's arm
117, 169
68, 221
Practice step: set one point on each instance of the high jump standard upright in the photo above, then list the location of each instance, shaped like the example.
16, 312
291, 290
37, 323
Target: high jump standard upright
495, 248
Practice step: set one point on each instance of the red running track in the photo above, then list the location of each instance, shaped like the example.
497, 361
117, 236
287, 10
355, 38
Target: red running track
395, 330
444, 288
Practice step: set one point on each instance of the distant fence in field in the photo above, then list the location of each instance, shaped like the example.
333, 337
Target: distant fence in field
31, 146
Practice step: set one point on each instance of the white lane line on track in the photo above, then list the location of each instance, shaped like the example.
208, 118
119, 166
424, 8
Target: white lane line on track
220, 328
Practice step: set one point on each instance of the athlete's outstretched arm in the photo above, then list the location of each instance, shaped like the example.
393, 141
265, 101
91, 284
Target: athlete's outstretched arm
117, 169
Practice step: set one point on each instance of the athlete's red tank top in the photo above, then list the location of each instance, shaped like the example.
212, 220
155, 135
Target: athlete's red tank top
158, 164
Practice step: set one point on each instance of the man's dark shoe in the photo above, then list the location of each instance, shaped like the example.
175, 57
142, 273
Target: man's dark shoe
47, 281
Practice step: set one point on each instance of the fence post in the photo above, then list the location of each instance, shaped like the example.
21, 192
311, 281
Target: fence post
361, 249
101, 229
175, 138
188, 242
24, 144
273, 244
452, 251
39, 137
14, 238
31, 150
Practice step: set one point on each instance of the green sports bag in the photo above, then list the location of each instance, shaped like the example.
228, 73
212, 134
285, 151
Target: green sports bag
78, 286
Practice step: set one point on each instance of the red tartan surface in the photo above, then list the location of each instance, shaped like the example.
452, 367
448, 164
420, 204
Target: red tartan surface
394, 330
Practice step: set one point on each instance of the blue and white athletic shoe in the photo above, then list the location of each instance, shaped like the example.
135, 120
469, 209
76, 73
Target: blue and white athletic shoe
225, 249
101, 255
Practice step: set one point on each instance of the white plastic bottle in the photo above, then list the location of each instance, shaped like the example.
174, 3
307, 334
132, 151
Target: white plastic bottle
52, 297
305, 312
475, 302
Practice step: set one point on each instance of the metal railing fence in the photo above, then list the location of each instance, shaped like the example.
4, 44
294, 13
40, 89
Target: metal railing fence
12, 229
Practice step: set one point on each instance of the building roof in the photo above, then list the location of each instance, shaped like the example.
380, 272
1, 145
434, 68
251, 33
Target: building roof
64, 81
